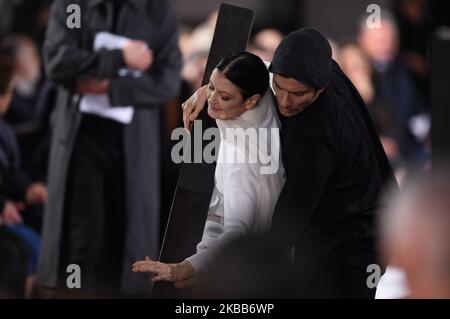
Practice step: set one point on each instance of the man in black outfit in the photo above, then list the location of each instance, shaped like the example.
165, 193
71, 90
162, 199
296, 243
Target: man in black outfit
335, 166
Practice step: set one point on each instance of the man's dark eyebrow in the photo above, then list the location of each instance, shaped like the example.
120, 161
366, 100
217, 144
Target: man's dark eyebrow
296, 92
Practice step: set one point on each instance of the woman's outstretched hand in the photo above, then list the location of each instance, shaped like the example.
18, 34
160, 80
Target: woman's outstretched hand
193, 106
164, 272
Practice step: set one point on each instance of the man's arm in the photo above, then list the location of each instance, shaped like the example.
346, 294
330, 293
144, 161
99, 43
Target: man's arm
308, 167
161, 82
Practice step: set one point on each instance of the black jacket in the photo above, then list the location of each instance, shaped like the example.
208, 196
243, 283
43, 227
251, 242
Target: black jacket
13, 181
336, 169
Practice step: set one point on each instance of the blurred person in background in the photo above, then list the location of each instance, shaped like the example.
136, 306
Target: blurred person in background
382, 45
265, 42
415, 233
30, 108
416, 25
114, 73
357, 66
24, 17
28, 79
7, 11
17, 192
196, 46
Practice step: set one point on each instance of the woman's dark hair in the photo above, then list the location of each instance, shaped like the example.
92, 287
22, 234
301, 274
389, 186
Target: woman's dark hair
247, 71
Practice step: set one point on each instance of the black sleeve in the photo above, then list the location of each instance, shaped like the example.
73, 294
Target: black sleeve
65, 60
161, 82
309, 166
17, 184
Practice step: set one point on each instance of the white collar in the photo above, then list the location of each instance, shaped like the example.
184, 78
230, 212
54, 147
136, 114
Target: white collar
250, 118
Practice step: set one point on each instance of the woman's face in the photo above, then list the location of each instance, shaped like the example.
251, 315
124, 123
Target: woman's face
225, 100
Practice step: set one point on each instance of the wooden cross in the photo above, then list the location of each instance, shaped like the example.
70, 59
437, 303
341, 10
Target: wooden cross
196, 180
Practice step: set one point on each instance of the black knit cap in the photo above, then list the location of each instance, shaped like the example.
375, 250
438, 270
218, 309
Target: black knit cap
304, 55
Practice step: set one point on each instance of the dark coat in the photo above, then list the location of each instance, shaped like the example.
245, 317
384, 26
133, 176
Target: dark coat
336, 169
69, 57
13, 181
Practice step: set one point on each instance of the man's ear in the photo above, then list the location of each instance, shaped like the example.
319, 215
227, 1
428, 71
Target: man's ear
317, 93
320, 90
252, 101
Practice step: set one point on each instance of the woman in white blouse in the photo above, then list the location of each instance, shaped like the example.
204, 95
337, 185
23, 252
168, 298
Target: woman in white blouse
245, 192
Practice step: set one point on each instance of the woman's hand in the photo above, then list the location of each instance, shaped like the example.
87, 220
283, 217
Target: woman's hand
164, 272
193, 106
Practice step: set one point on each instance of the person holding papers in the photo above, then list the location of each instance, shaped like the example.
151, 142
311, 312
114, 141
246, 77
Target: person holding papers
114, 72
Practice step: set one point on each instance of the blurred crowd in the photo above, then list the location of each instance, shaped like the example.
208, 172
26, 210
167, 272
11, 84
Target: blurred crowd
387, 65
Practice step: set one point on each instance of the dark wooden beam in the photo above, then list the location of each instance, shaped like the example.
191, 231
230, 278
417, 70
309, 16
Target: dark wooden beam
196, 181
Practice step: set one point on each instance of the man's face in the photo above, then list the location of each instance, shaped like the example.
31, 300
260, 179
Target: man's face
293, 97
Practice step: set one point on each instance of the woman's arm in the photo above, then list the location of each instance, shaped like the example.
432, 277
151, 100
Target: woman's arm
240, 204
240, 213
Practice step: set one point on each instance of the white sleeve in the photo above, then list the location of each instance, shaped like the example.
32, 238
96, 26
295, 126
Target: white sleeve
241, 198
